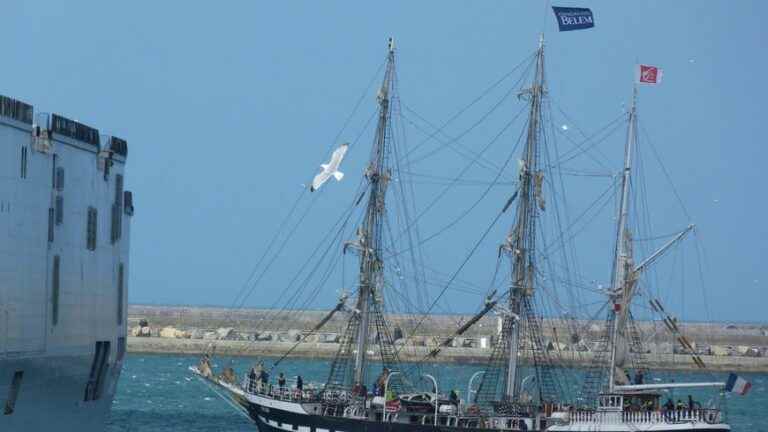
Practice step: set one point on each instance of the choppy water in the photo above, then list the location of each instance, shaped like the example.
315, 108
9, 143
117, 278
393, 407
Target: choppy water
157, 393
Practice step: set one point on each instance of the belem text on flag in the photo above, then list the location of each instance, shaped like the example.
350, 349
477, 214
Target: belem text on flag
649, 74
570, 18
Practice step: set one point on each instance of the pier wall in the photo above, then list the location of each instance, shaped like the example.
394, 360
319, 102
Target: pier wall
254, 332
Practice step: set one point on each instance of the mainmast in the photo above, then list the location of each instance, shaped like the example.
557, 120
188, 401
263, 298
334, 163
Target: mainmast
623, 281
369, 233
521, 240
500, 386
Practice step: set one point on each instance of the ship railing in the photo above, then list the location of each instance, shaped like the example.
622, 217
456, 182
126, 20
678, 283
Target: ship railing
642, 417
256, 387
342, 397
582, 416
684, 415
706, 415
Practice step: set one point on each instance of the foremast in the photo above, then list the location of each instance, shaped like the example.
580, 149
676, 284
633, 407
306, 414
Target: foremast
348, 371
369, 235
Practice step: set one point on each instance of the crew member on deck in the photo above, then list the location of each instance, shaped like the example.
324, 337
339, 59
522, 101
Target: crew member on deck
381, 381
258, 372
252, 379
639, 376
453, 397
679, 407
691, 404
669, 406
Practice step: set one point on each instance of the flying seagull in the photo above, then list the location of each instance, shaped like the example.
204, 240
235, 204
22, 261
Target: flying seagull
331, 168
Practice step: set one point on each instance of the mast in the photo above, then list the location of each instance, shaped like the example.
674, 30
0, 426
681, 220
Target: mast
623, 283
521, 239
369, 233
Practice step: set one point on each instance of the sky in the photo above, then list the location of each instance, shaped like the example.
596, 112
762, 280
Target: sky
229, 107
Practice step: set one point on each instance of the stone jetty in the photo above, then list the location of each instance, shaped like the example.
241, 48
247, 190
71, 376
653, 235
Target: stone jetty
257, 332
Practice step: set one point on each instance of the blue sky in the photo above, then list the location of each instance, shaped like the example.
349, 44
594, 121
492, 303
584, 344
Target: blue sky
229, 107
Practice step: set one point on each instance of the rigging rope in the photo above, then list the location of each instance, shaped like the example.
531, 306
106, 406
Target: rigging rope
456, 273
476, 123
461, 151
580, 130
611, 187
579, 149
269, 247
476, 100
459, 176
238, 302
666, 173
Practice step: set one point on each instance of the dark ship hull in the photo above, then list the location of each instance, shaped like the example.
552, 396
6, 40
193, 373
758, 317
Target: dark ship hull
271, 419
274, 420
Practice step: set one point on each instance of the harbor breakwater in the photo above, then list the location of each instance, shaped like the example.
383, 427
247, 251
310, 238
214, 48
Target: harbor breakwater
261, 333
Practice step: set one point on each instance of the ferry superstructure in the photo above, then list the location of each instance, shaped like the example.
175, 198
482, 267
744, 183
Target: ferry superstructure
64, 242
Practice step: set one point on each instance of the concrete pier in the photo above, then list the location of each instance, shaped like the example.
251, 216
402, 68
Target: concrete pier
254, 332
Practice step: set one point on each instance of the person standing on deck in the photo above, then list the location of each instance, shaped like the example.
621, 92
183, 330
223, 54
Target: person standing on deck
639, 376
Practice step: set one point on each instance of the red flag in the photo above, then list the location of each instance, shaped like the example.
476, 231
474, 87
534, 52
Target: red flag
649, 74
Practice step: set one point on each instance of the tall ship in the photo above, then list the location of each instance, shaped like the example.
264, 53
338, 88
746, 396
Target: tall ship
524, 385
64, 242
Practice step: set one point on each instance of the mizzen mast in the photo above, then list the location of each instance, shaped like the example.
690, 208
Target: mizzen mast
623, 282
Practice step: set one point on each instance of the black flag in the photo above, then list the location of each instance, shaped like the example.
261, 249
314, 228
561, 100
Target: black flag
569, 18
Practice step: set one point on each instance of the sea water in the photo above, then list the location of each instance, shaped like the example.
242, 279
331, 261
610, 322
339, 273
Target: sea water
158, 393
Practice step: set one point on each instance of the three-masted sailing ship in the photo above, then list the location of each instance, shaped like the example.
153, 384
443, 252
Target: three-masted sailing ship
505, 398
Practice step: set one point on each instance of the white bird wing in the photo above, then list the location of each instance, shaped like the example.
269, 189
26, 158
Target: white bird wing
319, 179
337, 157
331, 168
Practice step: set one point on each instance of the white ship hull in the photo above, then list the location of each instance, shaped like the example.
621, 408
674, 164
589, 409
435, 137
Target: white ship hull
616, 419
51, 398
670, 426
64, 230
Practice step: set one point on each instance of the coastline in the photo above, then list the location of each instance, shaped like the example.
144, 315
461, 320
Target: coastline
158, 345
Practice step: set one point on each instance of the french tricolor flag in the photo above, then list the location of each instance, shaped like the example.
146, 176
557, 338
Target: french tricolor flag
737, 384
